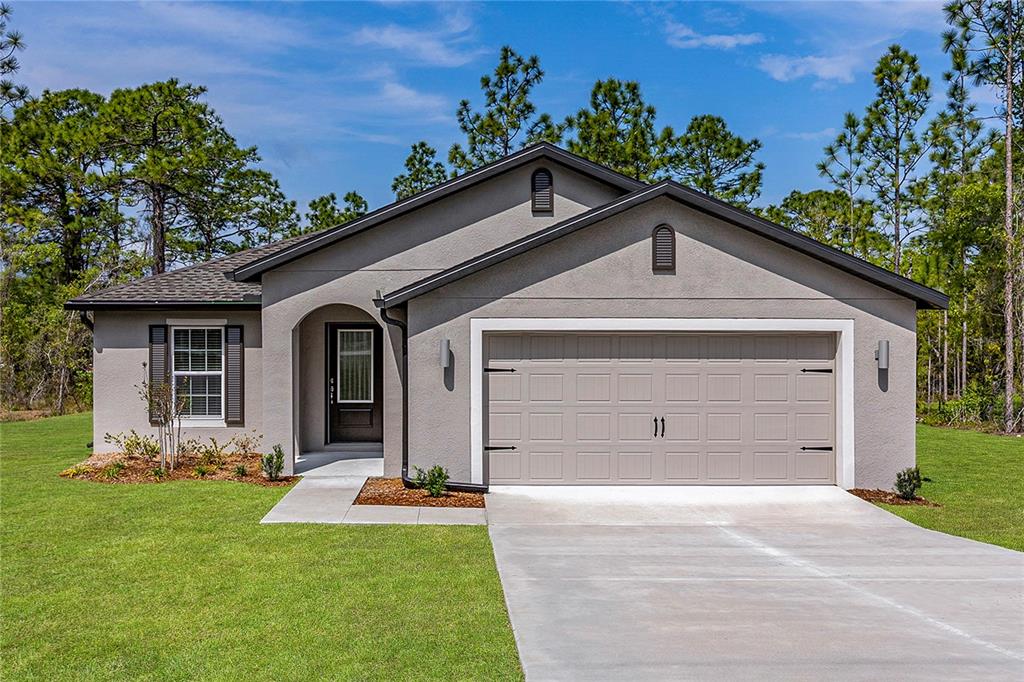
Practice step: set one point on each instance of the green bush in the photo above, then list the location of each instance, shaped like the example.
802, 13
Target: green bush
908, 482
133, 444
241, 471
114, 469
419, 479
436, 481
157, 473
214, 453
273, 463
201, 471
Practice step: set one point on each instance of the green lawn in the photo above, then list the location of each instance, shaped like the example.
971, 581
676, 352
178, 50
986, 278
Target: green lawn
179, 581
979, 481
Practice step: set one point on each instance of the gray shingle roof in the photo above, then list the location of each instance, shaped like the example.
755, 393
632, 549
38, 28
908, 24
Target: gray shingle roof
201, 284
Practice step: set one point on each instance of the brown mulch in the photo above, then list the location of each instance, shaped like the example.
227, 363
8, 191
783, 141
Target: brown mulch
392, 491
104, 468
889, 497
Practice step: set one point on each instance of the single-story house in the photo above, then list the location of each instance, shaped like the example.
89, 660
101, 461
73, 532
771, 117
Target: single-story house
540, 320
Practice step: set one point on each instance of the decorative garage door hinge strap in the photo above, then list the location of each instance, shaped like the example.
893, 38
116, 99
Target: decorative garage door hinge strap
499, 369
816, 371
488, 448
827, 448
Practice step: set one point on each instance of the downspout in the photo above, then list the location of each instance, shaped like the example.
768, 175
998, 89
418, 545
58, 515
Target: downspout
403, 330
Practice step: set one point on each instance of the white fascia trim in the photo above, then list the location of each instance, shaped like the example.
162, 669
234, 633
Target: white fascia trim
845, 469
196, 322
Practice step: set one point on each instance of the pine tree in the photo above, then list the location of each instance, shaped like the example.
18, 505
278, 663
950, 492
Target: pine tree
324, 212
891, 143
618, 131
842, 165
423, 171
508, 120
709, 157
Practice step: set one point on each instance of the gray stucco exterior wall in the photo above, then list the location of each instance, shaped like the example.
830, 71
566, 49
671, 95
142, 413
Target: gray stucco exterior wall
722, 271
385, 258
121, 346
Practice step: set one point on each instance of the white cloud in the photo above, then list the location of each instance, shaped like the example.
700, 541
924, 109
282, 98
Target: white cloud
450, 44
682, 36
812, 135
839, 68
218, 23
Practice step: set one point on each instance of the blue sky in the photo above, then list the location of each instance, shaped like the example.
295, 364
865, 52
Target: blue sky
333, 94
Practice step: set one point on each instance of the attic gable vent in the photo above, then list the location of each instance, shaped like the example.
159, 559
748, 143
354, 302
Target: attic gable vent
540, 188
663, 248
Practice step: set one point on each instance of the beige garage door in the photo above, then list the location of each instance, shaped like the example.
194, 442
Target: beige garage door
659, 408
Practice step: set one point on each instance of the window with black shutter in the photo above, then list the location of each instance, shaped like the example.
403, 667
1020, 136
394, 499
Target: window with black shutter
543, 195
663, 248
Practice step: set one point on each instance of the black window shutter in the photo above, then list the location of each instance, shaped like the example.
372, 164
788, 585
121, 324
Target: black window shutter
543, 197
663, 248
159, 363
234, 377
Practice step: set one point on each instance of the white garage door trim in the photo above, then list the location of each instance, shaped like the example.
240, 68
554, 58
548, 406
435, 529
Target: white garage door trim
844, 362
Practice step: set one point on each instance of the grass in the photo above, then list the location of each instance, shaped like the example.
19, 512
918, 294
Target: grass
979, 481
178, 580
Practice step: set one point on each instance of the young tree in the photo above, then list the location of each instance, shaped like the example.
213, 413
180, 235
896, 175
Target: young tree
324, 212
718, 162
991, 33
508, 118
423, 171
892, 148
618, 131
11, 42
842, 165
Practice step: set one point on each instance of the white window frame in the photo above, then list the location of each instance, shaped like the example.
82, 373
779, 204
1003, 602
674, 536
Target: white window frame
337, 362
201, 420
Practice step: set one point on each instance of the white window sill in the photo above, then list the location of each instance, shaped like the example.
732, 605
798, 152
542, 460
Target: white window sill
203, 423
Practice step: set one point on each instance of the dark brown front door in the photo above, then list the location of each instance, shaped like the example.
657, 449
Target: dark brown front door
355, 400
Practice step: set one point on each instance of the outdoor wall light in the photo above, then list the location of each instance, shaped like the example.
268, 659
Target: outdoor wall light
882, 355
446, 353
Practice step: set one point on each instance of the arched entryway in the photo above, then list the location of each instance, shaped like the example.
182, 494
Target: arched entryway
340, 381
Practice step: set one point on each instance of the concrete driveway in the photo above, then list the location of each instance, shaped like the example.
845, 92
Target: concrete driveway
748, 583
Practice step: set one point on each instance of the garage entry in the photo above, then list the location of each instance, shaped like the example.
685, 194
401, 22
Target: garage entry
673, 408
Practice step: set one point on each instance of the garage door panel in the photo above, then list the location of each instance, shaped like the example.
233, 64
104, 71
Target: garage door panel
660, 408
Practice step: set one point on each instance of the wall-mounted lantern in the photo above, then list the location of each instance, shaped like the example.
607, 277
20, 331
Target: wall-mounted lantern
882, 355
446, 353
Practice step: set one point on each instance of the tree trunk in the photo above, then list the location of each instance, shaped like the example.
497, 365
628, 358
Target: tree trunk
1009, 418
945, 355
158, 230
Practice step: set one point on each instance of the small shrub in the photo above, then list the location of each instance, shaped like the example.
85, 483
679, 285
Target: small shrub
419, 479
114, 469
246, 443
76, 471
908, 482
437, 479
241, 471
157, 473
201, 471
272, 463
214, 453
189, 447
134, 444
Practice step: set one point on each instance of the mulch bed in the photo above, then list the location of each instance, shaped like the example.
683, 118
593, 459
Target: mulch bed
392, 491
107, 468
889, 497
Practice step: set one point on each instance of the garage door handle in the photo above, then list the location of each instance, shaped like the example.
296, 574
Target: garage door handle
662, 427
816, 371
827, 448
490, 448
499, 369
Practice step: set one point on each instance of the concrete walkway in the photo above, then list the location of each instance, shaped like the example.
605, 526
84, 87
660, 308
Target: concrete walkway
748, 583
330, 485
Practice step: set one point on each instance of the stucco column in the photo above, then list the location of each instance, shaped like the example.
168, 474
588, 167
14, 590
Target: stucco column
278, 388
